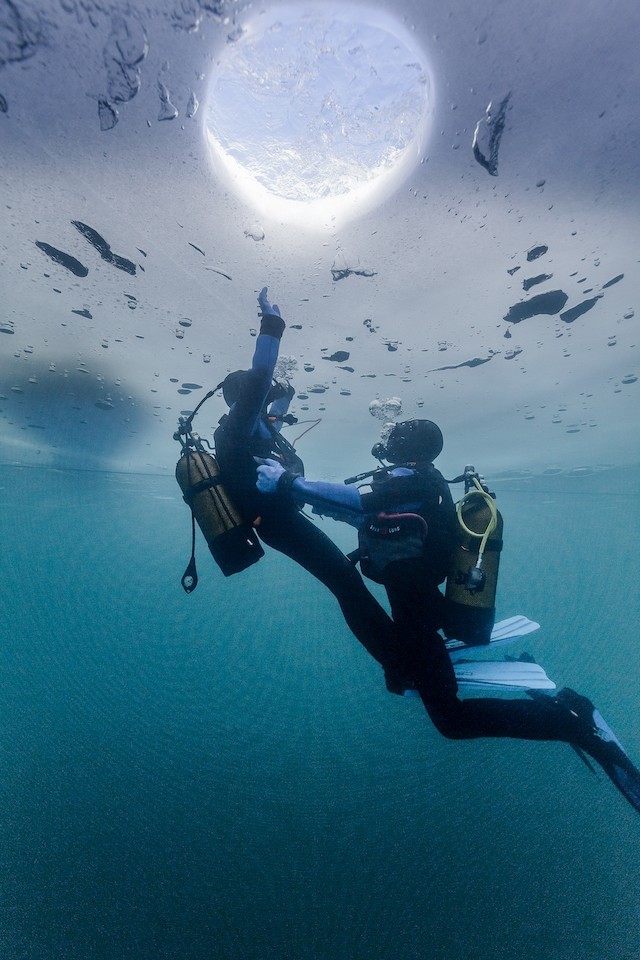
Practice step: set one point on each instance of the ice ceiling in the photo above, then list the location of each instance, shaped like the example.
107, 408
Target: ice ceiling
491, 286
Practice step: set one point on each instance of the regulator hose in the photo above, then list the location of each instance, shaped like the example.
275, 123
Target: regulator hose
493, 520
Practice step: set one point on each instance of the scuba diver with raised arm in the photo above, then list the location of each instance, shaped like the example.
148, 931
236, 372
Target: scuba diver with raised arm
257, 408
408, 532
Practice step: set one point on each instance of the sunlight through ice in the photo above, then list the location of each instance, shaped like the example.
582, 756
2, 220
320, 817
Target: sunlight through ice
318, 112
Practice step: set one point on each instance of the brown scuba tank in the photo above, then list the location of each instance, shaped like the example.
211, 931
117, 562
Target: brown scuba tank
471, 590
232, 541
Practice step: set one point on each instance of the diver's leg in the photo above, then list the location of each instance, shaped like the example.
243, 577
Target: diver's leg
289, 532
427, 665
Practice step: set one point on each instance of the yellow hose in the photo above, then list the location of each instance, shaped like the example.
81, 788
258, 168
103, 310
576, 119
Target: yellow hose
493, 521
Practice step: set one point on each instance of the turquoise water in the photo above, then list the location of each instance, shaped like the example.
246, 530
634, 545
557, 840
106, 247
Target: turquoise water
224, 775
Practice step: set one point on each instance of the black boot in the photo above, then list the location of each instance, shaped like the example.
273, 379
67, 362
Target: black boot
593, 735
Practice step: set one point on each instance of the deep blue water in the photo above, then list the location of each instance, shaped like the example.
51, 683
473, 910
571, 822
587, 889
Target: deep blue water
224, 775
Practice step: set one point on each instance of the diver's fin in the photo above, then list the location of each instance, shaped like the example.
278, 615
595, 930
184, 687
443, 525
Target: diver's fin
594, 736
498, 675
502, 674
506, 631
584, 758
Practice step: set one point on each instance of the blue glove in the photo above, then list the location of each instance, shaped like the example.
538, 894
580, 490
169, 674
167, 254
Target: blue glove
269, 473
267, 308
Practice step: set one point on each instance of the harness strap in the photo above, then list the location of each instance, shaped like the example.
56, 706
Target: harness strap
204, 484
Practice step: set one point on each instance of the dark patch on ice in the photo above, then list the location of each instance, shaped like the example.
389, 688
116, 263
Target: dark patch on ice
341, 273
535, 252
507, 334
391, 345
317, 389
490, 130
610, 283
476, 362
4, 106
64, 259
544, 303
630, 378
192, 386
368, 323
103, 248
69, 401
348, 369
21, 35
302, 396
295, 326
83, 313
533, 281
574, 312
512, 271
196, 248
368, 376
225, 275
123, 53
512, 354
339, 356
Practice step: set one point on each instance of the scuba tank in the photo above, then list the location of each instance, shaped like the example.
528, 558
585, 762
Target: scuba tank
232, 541
473, 573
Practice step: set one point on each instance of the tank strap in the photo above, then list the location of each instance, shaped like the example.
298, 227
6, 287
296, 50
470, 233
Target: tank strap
204, 484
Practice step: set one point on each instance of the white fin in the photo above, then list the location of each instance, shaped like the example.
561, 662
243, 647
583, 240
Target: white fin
498, 675
506, 631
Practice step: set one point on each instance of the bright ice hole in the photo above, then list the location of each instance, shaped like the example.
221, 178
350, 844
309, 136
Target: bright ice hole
318, 112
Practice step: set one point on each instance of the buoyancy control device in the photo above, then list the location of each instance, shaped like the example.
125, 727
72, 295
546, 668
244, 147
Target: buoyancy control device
388, 538
473, 573
231, 539
473, 558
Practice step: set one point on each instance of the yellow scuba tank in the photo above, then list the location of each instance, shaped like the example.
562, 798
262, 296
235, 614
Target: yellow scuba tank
473, 573
232, 541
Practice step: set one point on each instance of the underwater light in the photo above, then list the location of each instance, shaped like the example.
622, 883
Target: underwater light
318, 111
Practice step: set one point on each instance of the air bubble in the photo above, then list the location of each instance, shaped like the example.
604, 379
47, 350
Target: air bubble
192, 105
254, 232
386, 409
167, 110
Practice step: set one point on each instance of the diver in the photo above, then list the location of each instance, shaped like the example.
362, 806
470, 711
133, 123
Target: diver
409, 490
258, 407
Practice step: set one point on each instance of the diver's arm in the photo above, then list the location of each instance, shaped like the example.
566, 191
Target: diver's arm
328, 499
245, 413
335, 500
